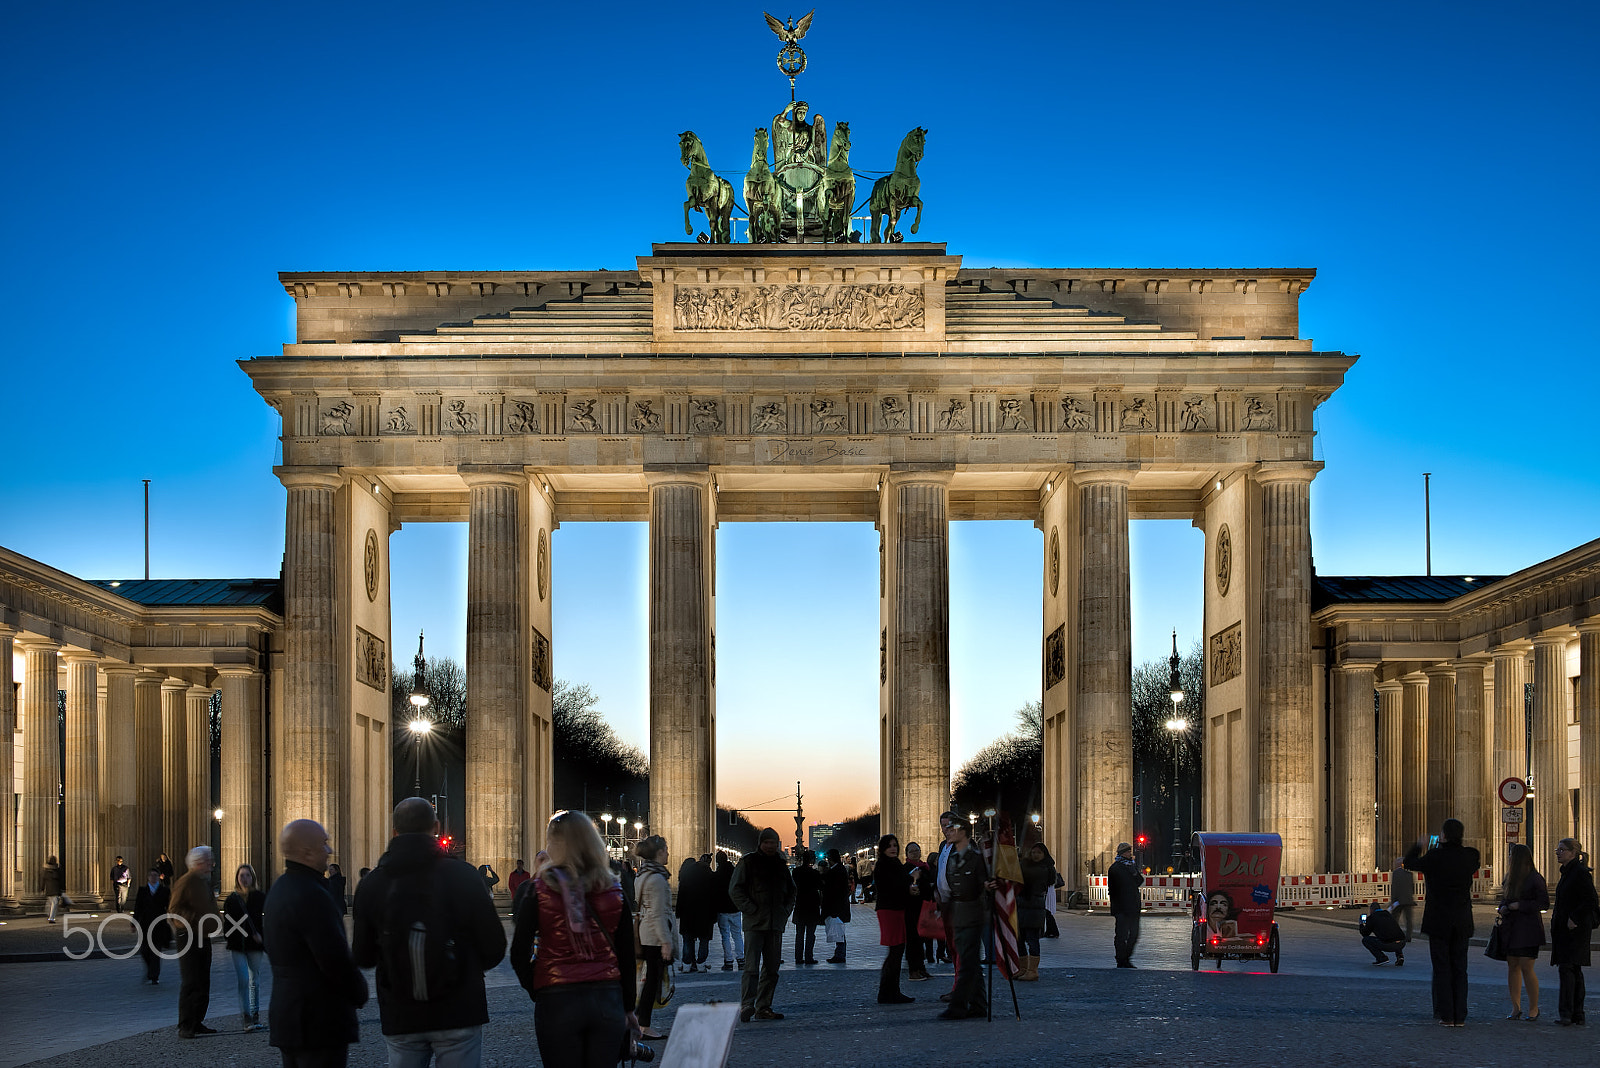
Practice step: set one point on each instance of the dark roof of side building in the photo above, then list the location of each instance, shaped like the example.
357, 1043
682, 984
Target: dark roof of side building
1394, 589
217, 593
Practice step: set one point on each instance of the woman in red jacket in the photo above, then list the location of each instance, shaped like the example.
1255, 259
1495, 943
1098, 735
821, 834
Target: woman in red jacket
582, 977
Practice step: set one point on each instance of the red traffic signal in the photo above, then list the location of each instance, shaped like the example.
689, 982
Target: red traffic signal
1142, 841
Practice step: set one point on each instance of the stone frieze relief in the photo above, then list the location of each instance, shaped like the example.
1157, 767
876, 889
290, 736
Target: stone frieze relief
799, 307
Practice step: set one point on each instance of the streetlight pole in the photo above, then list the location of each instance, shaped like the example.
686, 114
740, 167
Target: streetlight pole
420, 724
1177, 725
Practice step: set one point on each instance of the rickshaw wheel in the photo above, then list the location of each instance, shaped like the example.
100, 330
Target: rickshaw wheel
1272, 950
1195, 940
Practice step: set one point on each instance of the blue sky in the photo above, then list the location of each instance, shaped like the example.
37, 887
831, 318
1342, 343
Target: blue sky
1435, 162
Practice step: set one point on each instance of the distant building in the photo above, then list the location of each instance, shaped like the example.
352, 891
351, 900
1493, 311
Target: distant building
821, 836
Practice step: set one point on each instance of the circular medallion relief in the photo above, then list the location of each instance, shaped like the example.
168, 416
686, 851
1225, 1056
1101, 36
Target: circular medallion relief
1224, 560
1055, 560
542, 565
369, 565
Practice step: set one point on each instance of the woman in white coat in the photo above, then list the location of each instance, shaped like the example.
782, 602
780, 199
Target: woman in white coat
658, 928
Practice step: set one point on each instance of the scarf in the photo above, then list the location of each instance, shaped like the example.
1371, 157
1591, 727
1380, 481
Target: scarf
575, 903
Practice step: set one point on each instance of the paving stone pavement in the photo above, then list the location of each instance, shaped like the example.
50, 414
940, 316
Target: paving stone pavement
1327, 1005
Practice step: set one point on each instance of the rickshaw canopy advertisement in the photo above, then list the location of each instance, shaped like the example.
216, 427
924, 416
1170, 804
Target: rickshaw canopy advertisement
1240, 873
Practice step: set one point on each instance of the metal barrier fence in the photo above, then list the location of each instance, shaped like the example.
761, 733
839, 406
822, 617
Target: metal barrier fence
1328, 890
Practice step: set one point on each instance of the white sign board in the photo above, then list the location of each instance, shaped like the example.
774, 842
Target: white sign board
1511, 815
702, 1035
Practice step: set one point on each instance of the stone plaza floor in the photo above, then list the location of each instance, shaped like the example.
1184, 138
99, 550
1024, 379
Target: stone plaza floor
1327, 1005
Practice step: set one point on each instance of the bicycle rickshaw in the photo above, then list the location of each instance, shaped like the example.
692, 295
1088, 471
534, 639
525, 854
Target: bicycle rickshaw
1233, 909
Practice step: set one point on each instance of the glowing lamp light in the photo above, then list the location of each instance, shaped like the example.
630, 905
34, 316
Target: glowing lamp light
217, 815
420, 725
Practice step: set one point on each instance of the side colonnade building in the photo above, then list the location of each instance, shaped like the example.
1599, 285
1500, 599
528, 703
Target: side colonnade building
139, 662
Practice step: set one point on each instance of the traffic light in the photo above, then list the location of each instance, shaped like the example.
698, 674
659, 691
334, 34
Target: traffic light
1141, 841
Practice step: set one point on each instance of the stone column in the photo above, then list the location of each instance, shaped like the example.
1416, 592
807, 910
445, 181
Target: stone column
1589, 733
1392, 838
81, 863
1550, 810
497, 675
1441, 745
310, 760
916, 625
8, 727
1471, 803
120, 802
1105, 670
41, 758
682, 696
242, 747
1414, 761
1286, 737
148, 771
174, 772
1355, 786
1510, 739
197, 719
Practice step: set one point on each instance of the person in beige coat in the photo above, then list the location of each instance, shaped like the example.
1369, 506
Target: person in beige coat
658, 927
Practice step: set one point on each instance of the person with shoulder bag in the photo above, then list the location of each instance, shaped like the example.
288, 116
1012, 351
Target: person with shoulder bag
426, 922
1038, 879
657, 927
581, 977
1523, 899
1576, 914
919, 892
243, 910
891, 894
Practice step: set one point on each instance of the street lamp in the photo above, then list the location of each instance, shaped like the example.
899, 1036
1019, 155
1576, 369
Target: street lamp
419, 727
638, 830
1177, 725
605, 818
217, 815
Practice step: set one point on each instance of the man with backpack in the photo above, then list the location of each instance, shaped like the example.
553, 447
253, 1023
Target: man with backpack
427, 923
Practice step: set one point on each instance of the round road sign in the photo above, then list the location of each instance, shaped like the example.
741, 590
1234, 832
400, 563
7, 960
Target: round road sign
1512, 791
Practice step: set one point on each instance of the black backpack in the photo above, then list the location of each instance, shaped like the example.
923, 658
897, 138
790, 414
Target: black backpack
416, 944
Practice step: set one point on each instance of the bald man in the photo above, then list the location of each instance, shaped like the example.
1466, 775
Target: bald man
316, 986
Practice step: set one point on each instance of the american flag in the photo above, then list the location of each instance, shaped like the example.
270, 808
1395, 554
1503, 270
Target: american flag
1007, 869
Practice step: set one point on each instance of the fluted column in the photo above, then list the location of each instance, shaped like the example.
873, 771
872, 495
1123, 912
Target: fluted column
1414, 761
80, 859
1550, 810
1391, 773
1355, 786
1286, 738
41, 765
916, 617
1441, 745
1589, 733
310, 761
174, 771
149, 775
242, 745
1510, 739
682, 695
8, 726
1473, 802
120, 802
1105, 671
197, 720
497, 674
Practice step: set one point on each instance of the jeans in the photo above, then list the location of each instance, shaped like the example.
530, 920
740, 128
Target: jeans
459, 1047
579, 1025
1127, 936
119, 895
52, 906
652, 984
696, 950
805, 943
194, 995
247, 971
968, 995
731, 924
1403, 914
1448, 948
760, 978
1379, 948
1028, 941
1572, 992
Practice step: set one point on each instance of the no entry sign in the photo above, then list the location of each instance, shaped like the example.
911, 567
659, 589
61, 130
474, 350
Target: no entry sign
1513, 791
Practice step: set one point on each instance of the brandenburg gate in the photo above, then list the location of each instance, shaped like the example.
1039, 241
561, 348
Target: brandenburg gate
872, 382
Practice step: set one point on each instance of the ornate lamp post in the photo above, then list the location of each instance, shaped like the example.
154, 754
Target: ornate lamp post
420, 724
1177, 725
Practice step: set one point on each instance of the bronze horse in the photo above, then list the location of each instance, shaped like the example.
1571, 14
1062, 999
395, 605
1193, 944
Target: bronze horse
705, 191
894, 193
838, 187
761, 194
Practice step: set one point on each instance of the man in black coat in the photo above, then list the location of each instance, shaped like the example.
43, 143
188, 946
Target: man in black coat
1122, 883
316, 986
1447, 916
150, 906
1381, 934
416, 878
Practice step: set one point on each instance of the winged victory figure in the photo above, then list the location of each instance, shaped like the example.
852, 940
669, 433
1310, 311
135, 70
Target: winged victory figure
794, 31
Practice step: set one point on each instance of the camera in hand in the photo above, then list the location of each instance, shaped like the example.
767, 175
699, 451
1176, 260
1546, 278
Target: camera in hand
636, 1051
